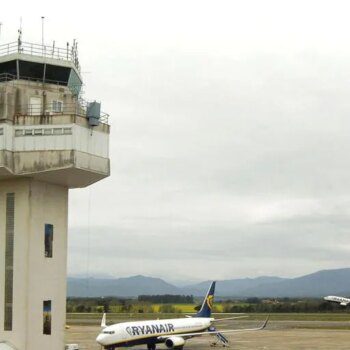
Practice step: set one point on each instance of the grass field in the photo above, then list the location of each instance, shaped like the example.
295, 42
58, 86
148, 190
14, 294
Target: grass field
184, 308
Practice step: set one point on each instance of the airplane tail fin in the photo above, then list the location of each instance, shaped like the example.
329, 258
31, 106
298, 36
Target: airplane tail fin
207, 305
103, 321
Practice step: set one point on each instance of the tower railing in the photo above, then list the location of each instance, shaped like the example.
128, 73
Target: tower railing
53, 109
68, 53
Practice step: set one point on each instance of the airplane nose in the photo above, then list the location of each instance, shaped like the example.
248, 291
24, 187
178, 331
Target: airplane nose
100, 339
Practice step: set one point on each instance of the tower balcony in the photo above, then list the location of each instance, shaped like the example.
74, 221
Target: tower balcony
53, 142
63, 150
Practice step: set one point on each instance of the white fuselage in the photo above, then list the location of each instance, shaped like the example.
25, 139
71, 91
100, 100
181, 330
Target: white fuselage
336, 299
131, 333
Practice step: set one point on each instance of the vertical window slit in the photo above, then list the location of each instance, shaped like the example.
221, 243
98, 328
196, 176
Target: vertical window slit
9, 249
47, 317
48, 240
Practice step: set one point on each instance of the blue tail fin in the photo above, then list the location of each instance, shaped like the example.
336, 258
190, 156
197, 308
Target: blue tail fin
205, 310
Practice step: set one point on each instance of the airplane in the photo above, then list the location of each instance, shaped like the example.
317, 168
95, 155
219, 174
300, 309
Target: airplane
339, 300
172, 332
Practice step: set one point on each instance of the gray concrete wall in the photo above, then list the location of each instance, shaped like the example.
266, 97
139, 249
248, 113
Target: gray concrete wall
15, 97
36, 278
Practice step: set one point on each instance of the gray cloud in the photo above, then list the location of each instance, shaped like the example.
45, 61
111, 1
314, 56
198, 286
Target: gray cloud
233, 173
230, 135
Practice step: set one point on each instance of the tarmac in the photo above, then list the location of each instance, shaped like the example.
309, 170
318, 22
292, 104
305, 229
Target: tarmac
279, 335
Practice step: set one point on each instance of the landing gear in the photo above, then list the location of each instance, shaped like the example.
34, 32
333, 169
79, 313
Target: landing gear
151, 346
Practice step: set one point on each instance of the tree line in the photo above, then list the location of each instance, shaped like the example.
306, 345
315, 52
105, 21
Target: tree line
167, 304
167, 299
284, 305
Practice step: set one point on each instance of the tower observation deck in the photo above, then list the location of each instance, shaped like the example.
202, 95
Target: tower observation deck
51, 140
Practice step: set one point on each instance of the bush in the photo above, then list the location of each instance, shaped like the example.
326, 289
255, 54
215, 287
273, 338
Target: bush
168, 309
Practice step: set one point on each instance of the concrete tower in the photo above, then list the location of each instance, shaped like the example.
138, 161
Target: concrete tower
50, 141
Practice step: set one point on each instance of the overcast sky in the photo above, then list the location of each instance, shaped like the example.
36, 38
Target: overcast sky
230, 134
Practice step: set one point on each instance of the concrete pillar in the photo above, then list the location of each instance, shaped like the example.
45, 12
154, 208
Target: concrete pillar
37, 277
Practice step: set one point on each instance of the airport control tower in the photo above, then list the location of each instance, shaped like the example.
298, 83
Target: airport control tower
51, 140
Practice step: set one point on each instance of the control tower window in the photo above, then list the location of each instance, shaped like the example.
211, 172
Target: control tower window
8, 69
57, 106
31, 70
47, 317
48, 240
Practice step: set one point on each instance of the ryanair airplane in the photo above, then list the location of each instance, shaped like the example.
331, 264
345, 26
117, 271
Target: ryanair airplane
173, 332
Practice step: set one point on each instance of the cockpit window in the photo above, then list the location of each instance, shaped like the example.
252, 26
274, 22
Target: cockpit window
108, 332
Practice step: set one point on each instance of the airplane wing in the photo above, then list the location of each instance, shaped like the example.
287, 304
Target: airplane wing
198, 334
223, 319
228, 318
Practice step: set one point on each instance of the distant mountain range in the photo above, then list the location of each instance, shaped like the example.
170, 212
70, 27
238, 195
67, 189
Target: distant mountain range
123, 287
317, 284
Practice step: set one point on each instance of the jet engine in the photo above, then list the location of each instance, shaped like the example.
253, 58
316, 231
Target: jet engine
175, 342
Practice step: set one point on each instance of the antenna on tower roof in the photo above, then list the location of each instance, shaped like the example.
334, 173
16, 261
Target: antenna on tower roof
42, 33
42, 29
20, 35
